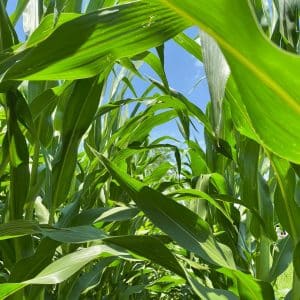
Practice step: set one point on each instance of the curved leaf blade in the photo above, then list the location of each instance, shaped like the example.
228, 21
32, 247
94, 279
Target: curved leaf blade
181, 224
259, 77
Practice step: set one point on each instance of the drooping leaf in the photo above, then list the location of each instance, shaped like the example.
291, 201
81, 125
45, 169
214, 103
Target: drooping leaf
61, 269
181, 224
263, 93
89, 279
209, 293
72, 51
249, 288
17, 228
150, 248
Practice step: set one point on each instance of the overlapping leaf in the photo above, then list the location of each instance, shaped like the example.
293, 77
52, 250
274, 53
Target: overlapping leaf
84, 46
267, 88
185, 227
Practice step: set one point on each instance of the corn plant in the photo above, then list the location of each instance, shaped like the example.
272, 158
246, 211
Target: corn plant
92, 207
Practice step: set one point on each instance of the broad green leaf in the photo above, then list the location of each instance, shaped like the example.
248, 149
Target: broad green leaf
197, 159
19, 157
104, 214
266, 209
46, 100
63, 268
166, 283
78, 113
287, 210
66, 266
117, 214
239, 113
47, 26
248, 164
18, 228
282, 257
259, 77
7, 289
84, 46
95, 4
150, 248
296, 260
181, 224
209, 293
189, 45
249, 288
8, 36
73, 6
89, 279
77, 234
30, 266
158, 173
190, 194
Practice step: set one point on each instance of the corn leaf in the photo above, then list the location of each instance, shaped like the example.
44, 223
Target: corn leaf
259, 77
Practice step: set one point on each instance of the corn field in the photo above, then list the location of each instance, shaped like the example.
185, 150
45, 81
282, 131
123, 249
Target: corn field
93, 207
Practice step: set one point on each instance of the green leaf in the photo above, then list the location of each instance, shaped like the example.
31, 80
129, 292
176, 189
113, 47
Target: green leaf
150, 248
248, 163
89, 279
180, 102
189, 45
18, 155
84, 46
282, 257
47, 26
190, 194
209, 293
77, 115
248, 287
296, 260
62, 269
18, 228
8, 36
7, 289
239, 113
155, 63
158, 173
181, 224
287, 210
66, 266
117, 214
256, 77
77, 234
266, 209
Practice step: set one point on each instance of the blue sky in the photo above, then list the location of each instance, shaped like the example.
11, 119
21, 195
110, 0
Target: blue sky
183, 72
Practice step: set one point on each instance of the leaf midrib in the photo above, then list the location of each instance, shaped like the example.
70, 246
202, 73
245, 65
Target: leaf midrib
273, 85
209, 243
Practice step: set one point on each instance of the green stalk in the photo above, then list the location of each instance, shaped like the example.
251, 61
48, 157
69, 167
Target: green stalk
263, 259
